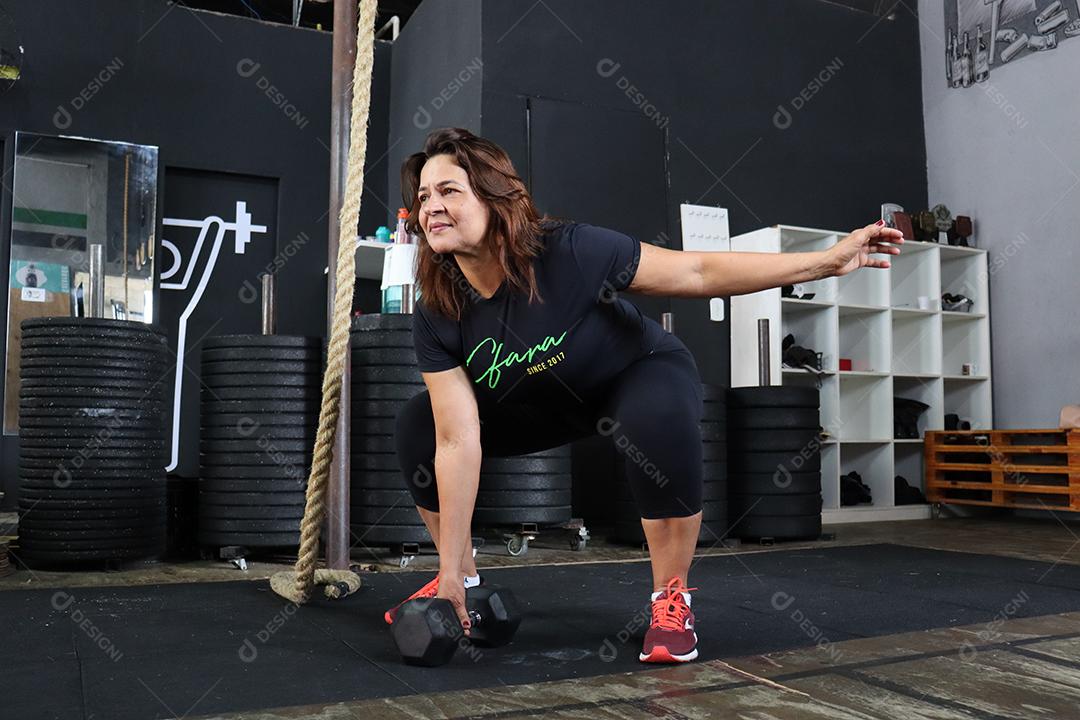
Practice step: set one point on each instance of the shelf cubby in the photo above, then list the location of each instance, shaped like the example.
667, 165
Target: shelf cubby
865, 338
916, 343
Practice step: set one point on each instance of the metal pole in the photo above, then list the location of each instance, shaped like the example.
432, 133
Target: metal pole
97, 282
763, 359
268, 304
336, 530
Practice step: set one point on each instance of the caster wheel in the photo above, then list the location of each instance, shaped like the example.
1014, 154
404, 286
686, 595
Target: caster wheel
517, 546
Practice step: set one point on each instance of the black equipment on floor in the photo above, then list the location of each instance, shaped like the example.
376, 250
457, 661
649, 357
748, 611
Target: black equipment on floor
93, 440
259, 416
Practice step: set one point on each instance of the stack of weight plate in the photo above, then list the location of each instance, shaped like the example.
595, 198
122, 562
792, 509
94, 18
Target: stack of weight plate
714, 517
384, 377
775, 481
532, 488
93, 440
259, 416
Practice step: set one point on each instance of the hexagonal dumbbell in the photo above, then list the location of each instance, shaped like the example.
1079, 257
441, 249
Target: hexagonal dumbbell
427, 631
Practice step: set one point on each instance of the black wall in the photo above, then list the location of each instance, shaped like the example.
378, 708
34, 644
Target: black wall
195, 84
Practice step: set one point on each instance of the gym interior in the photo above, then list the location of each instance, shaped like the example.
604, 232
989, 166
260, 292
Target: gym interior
217, 259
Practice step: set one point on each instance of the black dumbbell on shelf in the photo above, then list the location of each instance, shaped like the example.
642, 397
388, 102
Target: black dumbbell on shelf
427, 631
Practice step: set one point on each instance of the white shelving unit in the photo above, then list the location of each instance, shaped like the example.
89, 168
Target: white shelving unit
896, 349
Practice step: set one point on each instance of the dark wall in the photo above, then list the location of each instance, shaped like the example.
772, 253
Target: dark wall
223, 97
436, 75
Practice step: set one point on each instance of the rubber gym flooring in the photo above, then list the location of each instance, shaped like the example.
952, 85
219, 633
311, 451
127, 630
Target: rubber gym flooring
174, 650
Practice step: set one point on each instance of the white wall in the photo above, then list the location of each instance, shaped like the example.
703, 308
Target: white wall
1007, 153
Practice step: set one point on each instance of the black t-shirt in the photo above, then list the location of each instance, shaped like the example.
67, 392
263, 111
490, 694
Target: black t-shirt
555, 352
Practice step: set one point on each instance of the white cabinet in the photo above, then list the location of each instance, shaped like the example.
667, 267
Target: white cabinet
872, 318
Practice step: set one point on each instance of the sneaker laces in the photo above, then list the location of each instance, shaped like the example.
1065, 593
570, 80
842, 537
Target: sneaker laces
669, 611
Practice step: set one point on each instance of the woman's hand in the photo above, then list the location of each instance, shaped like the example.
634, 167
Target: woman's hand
853, 252
452, 588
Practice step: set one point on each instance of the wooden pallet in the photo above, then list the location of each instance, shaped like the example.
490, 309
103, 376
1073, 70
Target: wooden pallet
1032, 469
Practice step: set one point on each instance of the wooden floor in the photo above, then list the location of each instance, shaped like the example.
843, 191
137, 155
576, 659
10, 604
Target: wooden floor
1011, 668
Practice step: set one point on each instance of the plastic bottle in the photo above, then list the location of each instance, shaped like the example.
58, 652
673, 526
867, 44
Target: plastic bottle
383, 234
391, 297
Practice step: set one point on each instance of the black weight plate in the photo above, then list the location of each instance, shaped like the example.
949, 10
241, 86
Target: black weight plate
225, 394
89, 324
255, 420
775, 418
254, 445
298, 459
104, 494
390, 536
248, 539
757, 505
70, 551
71, 385
98, 457
119, 527
240, 378
525, 464
374, 427
363, 392
90, 431
103, 415
768, 462
104, 444
258, 407
294, 498
371, 409
382, 339
87, 407
714, 451
514, 516
53, 375
239, 358
44, 514
400, 515
373, 444
380, 498
778, 483
219, 490
774, 396
309, 367
253, 525
109, 355
71, 465
254, 472
781, 527
713, 412
793, 441
58, 501
395, 357
69, 366
522, 498
713, 432
385, 374
261, 341
381, 321
361, 480
250, 431
525, 481
121, 340
111, 533
291, 512
714, 392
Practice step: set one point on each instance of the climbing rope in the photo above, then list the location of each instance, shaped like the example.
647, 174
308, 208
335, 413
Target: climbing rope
298, 584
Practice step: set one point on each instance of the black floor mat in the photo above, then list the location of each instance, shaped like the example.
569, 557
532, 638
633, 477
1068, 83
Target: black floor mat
190, 649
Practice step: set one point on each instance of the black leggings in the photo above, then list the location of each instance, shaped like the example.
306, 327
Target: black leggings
652, 411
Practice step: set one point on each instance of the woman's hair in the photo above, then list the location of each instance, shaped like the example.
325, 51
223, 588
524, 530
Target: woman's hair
514, 224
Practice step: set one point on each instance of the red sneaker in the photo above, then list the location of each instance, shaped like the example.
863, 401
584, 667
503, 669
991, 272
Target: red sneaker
428, 591
671, 637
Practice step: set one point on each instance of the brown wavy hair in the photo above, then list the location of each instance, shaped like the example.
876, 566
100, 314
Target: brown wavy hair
514, 224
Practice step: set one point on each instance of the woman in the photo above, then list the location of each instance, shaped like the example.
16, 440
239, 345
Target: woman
524, 345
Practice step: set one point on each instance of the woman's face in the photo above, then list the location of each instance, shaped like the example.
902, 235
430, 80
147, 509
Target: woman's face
452, 217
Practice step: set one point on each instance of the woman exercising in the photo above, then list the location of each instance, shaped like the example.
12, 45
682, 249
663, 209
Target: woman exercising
524, 345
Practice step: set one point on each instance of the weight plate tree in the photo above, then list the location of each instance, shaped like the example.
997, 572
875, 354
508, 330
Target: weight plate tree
775, 480
93, 440
259, 414
714, 516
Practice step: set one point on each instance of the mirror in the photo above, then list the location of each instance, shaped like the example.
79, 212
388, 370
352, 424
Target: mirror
68, 195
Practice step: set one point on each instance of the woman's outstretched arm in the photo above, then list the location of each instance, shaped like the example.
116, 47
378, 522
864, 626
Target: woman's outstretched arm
674, 273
